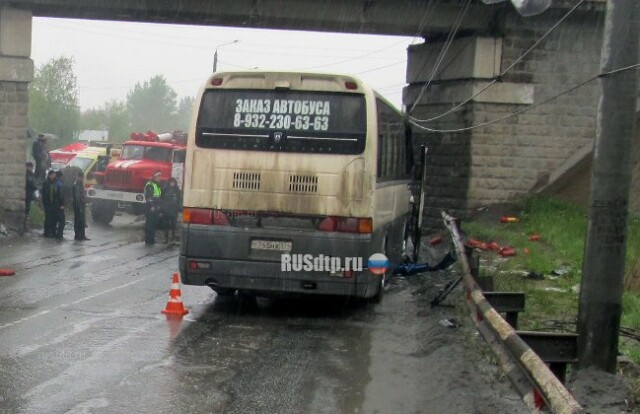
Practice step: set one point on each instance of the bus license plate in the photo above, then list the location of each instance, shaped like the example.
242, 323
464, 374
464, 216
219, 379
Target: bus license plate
280, 246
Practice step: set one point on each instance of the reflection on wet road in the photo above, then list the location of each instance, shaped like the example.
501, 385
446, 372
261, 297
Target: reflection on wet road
81, 332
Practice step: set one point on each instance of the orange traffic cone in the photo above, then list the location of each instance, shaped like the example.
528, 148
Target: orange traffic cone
174, 322
175, 305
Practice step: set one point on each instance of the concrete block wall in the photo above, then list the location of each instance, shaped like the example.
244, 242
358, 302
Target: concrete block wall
16, 71
511, 157
448, 166
13, 130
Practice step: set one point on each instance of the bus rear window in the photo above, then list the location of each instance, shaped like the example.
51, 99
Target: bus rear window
284, 121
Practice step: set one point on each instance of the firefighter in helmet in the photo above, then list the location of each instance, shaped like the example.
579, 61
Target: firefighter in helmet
152, 194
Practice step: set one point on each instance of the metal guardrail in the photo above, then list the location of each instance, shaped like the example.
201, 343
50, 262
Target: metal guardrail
533, 379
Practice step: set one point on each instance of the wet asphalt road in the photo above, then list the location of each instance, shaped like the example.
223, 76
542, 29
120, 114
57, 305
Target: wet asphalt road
81, 332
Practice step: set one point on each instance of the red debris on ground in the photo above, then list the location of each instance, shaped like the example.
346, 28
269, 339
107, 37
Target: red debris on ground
534, 237
508, 219
435, 241
7, 272
507, 252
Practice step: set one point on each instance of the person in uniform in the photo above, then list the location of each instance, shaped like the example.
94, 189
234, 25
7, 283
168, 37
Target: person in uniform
152, 195
48, 198
40, 153
58, 205
29, 191
79, 207
171, 201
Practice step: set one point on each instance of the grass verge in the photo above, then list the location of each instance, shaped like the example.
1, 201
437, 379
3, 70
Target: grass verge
552, 303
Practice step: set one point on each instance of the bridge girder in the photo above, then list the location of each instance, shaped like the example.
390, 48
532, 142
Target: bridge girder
391, 17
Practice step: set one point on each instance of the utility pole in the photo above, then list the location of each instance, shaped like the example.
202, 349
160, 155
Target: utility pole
605, 246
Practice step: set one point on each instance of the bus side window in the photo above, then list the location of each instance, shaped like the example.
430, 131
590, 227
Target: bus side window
392, 144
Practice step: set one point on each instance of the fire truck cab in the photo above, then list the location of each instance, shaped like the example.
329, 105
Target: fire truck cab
121, 185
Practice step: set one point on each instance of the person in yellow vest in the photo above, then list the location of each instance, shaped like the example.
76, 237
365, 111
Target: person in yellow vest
152, 194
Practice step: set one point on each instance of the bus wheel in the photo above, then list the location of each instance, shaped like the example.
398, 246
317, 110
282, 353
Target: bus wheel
377, 298
102, 212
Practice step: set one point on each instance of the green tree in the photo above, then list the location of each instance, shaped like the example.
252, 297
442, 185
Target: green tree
118, 121
152, 106
93, 119
53, 100
184, 112
113, 116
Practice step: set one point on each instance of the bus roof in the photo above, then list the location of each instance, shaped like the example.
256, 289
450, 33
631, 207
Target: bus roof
268, 79
272, 79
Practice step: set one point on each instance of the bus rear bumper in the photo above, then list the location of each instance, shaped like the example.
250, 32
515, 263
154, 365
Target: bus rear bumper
267, 278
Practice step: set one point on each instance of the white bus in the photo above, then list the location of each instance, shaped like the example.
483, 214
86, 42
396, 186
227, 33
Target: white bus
285, 164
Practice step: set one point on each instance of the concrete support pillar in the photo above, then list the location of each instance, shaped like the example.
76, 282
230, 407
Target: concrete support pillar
16, 71
456, 162
501, 161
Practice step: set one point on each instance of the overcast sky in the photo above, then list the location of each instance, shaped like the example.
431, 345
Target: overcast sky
110, 57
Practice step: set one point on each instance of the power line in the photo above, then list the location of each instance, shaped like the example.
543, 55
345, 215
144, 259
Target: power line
428, 10
529, 108
504, 72
83, 27
353, 58
382, 67
423, 21
205, 47
443, 51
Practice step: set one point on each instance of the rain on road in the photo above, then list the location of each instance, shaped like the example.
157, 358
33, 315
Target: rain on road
81, 332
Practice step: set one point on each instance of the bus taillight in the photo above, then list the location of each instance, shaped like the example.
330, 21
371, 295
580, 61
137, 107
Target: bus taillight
220, 218
204, 216
346, 225
196, 215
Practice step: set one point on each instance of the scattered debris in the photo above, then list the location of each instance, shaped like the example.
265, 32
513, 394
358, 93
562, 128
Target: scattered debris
3, 230
525, 250
435, 241
508, 219
409, 269
448, 323
554, 289
561, 271
477, 244
7, 272
445, 292
534, 275
534, 237
507, 252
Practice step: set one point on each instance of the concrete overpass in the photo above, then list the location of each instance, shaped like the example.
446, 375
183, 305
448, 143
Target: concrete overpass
399, 17
484, 165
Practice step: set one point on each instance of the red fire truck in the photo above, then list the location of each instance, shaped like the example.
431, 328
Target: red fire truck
120, 186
